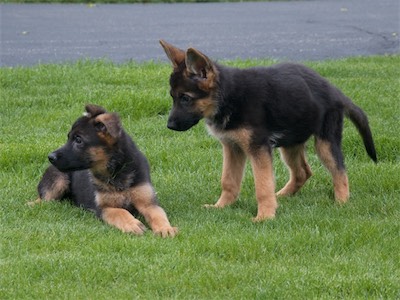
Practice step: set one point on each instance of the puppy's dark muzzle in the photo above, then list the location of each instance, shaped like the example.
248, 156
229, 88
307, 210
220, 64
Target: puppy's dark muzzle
54, 157
181, 125
173, 125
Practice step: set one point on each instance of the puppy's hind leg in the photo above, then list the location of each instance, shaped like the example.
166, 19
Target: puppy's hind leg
54, 185
331, 157
299, 170
328, 146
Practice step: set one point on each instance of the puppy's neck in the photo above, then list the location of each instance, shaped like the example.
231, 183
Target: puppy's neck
115, 178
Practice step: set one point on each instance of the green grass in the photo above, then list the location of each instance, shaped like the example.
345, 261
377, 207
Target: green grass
314, 249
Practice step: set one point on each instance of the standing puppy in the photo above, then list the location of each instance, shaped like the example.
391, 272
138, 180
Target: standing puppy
101, 169
254, 110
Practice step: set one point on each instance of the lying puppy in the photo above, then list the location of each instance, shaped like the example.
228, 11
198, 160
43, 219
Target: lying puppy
101, 169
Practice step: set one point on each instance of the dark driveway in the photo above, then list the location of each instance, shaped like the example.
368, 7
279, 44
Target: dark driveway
294, 30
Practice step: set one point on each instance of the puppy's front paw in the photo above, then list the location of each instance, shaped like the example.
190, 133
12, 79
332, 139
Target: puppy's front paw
211, 206
166, 231
134, 226
263, 217
37, 201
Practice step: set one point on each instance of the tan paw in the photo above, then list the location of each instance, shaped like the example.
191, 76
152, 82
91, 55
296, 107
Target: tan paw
211, 206
283, 193
261, 218
166, 231
37, 201
133, 226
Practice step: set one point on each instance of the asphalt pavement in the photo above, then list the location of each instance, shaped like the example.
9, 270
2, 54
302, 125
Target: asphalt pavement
291, 30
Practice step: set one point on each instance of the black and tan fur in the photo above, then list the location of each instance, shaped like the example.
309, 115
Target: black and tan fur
251, 111
101, 169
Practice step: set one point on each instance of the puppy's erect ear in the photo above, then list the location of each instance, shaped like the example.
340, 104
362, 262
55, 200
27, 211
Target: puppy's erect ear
197, 63
108, 124
93, 110
175, 55
200, 65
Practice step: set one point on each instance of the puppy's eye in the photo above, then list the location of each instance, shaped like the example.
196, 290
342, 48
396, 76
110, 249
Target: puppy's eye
185, 98
78, 139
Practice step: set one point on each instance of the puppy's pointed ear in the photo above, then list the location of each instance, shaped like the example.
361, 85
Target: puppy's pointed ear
108, 125
175, 55
200, 65
197, 63
93, 110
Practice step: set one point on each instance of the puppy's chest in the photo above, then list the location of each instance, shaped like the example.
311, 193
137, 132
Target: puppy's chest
244, 137
141, 195
111, 191
240, 137
113, 199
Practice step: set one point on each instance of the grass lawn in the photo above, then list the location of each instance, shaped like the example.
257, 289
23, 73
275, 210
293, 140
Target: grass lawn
314, 249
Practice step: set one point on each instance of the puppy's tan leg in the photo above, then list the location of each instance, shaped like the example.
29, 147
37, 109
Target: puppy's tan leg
232, 174
340, 180
53, 186
299, 170
123, 220
144, 199
261, 162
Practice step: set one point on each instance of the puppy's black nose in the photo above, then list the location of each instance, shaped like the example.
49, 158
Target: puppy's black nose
172, 125
53, 157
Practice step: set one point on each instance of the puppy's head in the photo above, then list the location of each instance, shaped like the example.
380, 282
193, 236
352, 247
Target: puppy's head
90, 141
193, 83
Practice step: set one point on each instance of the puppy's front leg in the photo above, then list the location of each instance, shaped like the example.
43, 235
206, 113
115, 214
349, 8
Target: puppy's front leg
123, 220
232, 174
261, 163
144, 199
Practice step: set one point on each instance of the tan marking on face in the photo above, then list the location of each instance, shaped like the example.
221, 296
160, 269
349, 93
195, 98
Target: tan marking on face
206, 106
108, 139
99, 160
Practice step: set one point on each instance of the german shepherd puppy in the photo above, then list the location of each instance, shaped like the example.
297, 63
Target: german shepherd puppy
254, 110
101, 169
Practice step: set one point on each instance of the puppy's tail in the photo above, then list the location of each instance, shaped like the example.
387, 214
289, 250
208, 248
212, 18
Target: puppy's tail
360, 120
